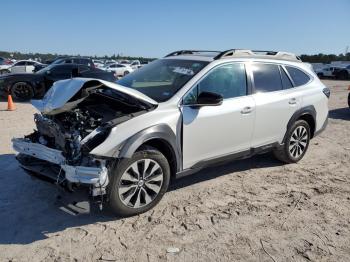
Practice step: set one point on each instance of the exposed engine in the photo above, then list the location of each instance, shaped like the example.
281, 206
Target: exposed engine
65, 131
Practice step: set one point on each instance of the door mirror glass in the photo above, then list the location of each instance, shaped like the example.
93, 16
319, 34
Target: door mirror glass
208, 99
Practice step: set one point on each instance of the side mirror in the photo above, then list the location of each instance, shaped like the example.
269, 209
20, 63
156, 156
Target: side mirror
208, 99
48, 72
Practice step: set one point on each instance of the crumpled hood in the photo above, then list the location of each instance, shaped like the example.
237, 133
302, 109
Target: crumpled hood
62, 91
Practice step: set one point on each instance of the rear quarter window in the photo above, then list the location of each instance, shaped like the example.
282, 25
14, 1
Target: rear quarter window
299, 77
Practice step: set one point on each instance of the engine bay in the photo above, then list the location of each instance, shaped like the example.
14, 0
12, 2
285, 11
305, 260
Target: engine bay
66, 130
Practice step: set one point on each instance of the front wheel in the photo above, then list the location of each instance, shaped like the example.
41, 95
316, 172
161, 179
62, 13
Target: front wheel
139, 183
296, 144
4, 71
22, 91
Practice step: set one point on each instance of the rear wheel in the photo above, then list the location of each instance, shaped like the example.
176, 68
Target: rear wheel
296, 144
343, 75
22, 91
139, 183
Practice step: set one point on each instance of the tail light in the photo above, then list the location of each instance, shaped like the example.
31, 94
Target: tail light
327, 91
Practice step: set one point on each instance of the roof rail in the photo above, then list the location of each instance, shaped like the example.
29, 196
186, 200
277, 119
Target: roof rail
247, 52
190, 52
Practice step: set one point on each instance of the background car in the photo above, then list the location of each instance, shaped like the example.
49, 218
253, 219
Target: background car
98, 63
28, 86
67, 60
119, 69
23, 66
5, 64
135, 64
327, 71
342, 72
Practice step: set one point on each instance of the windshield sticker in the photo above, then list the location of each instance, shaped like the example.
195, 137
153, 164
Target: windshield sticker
183, 71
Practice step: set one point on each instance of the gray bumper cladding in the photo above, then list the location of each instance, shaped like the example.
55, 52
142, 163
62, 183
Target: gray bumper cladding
97, 176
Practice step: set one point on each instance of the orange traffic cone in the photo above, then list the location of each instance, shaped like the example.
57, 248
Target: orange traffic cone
10, 105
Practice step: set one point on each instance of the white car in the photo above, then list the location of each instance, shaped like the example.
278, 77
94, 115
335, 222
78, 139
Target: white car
119, 69
23, 66
136, 64
98, 63
172, 118
327, 71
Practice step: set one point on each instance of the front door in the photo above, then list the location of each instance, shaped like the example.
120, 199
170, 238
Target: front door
216, 131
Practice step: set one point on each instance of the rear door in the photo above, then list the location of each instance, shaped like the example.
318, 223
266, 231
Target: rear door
29, 67
276, 101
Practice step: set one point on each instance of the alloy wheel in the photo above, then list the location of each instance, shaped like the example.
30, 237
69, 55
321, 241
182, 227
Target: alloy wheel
298, 141
22, 90
140, 183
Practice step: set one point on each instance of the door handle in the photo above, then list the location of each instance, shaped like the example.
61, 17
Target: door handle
292, 101
246, 110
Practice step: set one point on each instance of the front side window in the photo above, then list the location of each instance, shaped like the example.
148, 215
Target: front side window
162, 78
22, 63
298, 76
266, 77
228, 81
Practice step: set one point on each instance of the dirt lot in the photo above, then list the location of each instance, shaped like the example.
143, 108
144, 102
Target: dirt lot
250, 210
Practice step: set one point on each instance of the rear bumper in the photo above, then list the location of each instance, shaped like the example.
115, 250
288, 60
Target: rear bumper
322, 128
93, 175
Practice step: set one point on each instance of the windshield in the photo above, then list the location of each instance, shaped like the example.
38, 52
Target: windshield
162, 78
42, 71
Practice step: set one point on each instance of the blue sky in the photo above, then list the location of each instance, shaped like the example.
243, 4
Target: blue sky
154, 28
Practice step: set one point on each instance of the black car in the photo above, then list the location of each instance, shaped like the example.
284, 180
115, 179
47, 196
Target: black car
28, 86
67, 60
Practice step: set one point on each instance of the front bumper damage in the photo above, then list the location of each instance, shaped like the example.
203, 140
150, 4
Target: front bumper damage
96, 176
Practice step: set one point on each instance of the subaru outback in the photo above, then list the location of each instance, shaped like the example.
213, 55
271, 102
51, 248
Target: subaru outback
171, 118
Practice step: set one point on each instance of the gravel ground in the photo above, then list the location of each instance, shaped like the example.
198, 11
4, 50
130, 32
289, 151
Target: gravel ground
249, 210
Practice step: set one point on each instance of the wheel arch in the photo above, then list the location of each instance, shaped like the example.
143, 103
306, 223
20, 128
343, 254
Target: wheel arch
160, 137
307, 113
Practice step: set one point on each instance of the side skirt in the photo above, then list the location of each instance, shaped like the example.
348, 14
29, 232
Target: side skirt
227, 158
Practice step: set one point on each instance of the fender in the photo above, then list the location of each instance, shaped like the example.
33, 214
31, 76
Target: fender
307, 110
161, 131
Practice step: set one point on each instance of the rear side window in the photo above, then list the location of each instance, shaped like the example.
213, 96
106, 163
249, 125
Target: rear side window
299, 77
285, 79
266, 77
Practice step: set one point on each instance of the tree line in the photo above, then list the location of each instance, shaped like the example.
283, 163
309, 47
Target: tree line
317, 58
48, 57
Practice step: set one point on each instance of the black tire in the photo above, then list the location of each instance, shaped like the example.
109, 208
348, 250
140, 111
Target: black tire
22, 91
126, 72
343, 75
320, 75
349, 100
287, 155
115, 200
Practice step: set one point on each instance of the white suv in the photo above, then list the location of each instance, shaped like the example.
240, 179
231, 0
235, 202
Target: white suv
171, 118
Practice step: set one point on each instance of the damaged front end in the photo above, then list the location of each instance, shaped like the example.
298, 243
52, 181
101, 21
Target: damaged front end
76, 116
